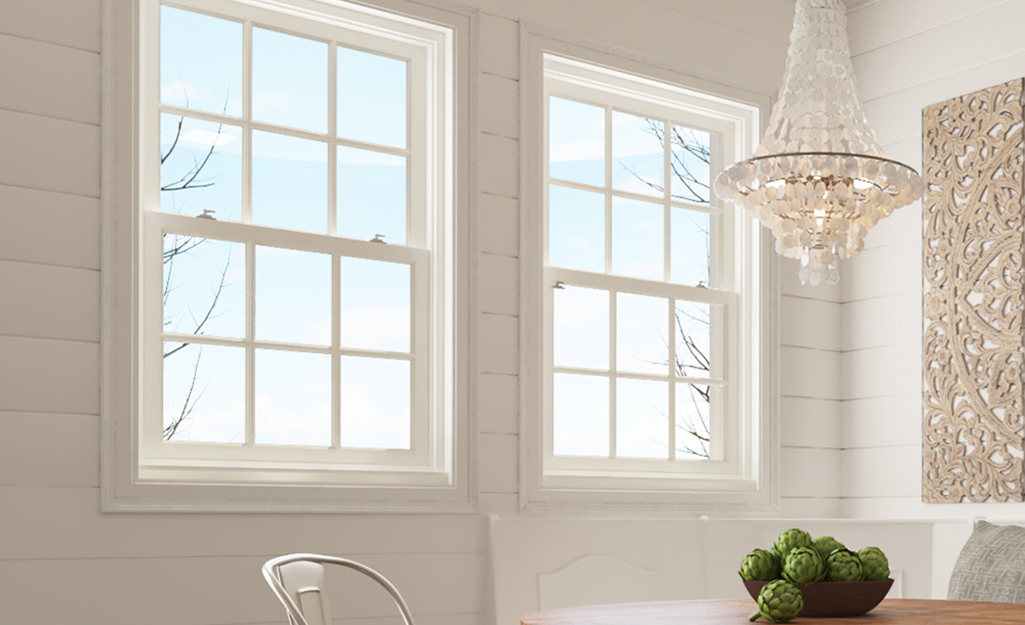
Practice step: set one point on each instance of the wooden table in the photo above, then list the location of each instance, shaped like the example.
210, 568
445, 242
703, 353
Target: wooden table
736, 612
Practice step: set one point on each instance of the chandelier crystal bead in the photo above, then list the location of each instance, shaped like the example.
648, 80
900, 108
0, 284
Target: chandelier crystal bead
819, 180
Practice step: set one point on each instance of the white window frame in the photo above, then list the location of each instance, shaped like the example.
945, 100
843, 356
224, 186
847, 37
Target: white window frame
742, 477
438, 472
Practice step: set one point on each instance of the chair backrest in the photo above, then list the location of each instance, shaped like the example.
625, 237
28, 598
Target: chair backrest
299, 582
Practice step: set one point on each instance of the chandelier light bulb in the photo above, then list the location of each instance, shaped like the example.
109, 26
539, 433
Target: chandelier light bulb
819, 179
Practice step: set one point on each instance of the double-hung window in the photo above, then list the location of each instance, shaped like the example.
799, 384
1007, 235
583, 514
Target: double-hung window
296, 246
650, 290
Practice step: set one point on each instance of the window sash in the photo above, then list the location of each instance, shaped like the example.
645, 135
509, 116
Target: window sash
423, 450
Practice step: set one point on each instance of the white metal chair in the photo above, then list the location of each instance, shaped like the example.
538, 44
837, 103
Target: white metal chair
298, 581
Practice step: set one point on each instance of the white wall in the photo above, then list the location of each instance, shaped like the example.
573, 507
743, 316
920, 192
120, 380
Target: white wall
908, 54
61, 561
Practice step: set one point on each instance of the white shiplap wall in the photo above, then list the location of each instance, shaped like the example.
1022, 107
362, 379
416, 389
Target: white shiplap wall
61, 561
908, 54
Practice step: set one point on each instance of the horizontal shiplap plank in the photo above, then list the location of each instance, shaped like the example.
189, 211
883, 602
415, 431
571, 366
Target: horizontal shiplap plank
212, 591
902, 226
878, 421
75, 24
54, 523
898, 116
499, 225
46, 301
809, 507
790, 283
499, 463
500, 504
49, 79
912, 507
499, 344
42, 375
883, 371
882, 321
500, 51
51, 228
49, 449
809, 373
754, 53
499, 403
882, 23
809, 323
49, 154
499, 165
883, 271
499, 105
907, 151
986, 35
810, 423
499, 284
809, 472
882, 472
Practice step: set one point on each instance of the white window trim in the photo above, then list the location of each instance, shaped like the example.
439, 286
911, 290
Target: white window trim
753, 489
452, 484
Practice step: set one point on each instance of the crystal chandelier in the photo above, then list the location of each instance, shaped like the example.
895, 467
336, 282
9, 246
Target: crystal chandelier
819, 179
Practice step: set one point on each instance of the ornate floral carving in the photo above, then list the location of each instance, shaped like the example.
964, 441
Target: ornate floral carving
974, 155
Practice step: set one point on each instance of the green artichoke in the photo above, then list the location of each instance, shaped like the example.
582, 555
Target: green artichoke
760, 565
791, 538
779, 602
826, 545
843, 565
874, 563
803, 565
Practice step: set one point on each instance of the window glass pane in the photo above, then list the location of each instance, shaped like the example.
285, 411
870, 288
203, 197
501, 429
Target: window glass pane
691, 247
642, 334
576, 229
204, 286
201, 167
375, 305
204, 393
694, 357
637, 239
371, 98
642, 419
576, 141
581, 331
293, 296
289, 80
371, 195
293, 398
375, 405
289, 182
581, 425
691, 157
200, 62
693, 424
638, 158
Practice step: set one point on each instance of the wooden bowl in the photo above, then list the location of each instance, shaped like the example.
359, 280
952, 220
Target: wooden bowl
835, 598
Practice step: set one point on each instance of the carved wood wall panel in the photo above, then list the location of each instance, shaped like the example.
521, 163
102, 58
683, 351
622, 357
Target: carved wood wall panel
973, 248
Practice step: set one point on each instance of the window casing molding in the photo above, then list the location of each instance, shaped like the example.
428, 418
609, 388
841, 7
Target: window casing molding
745, 481
439, 473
